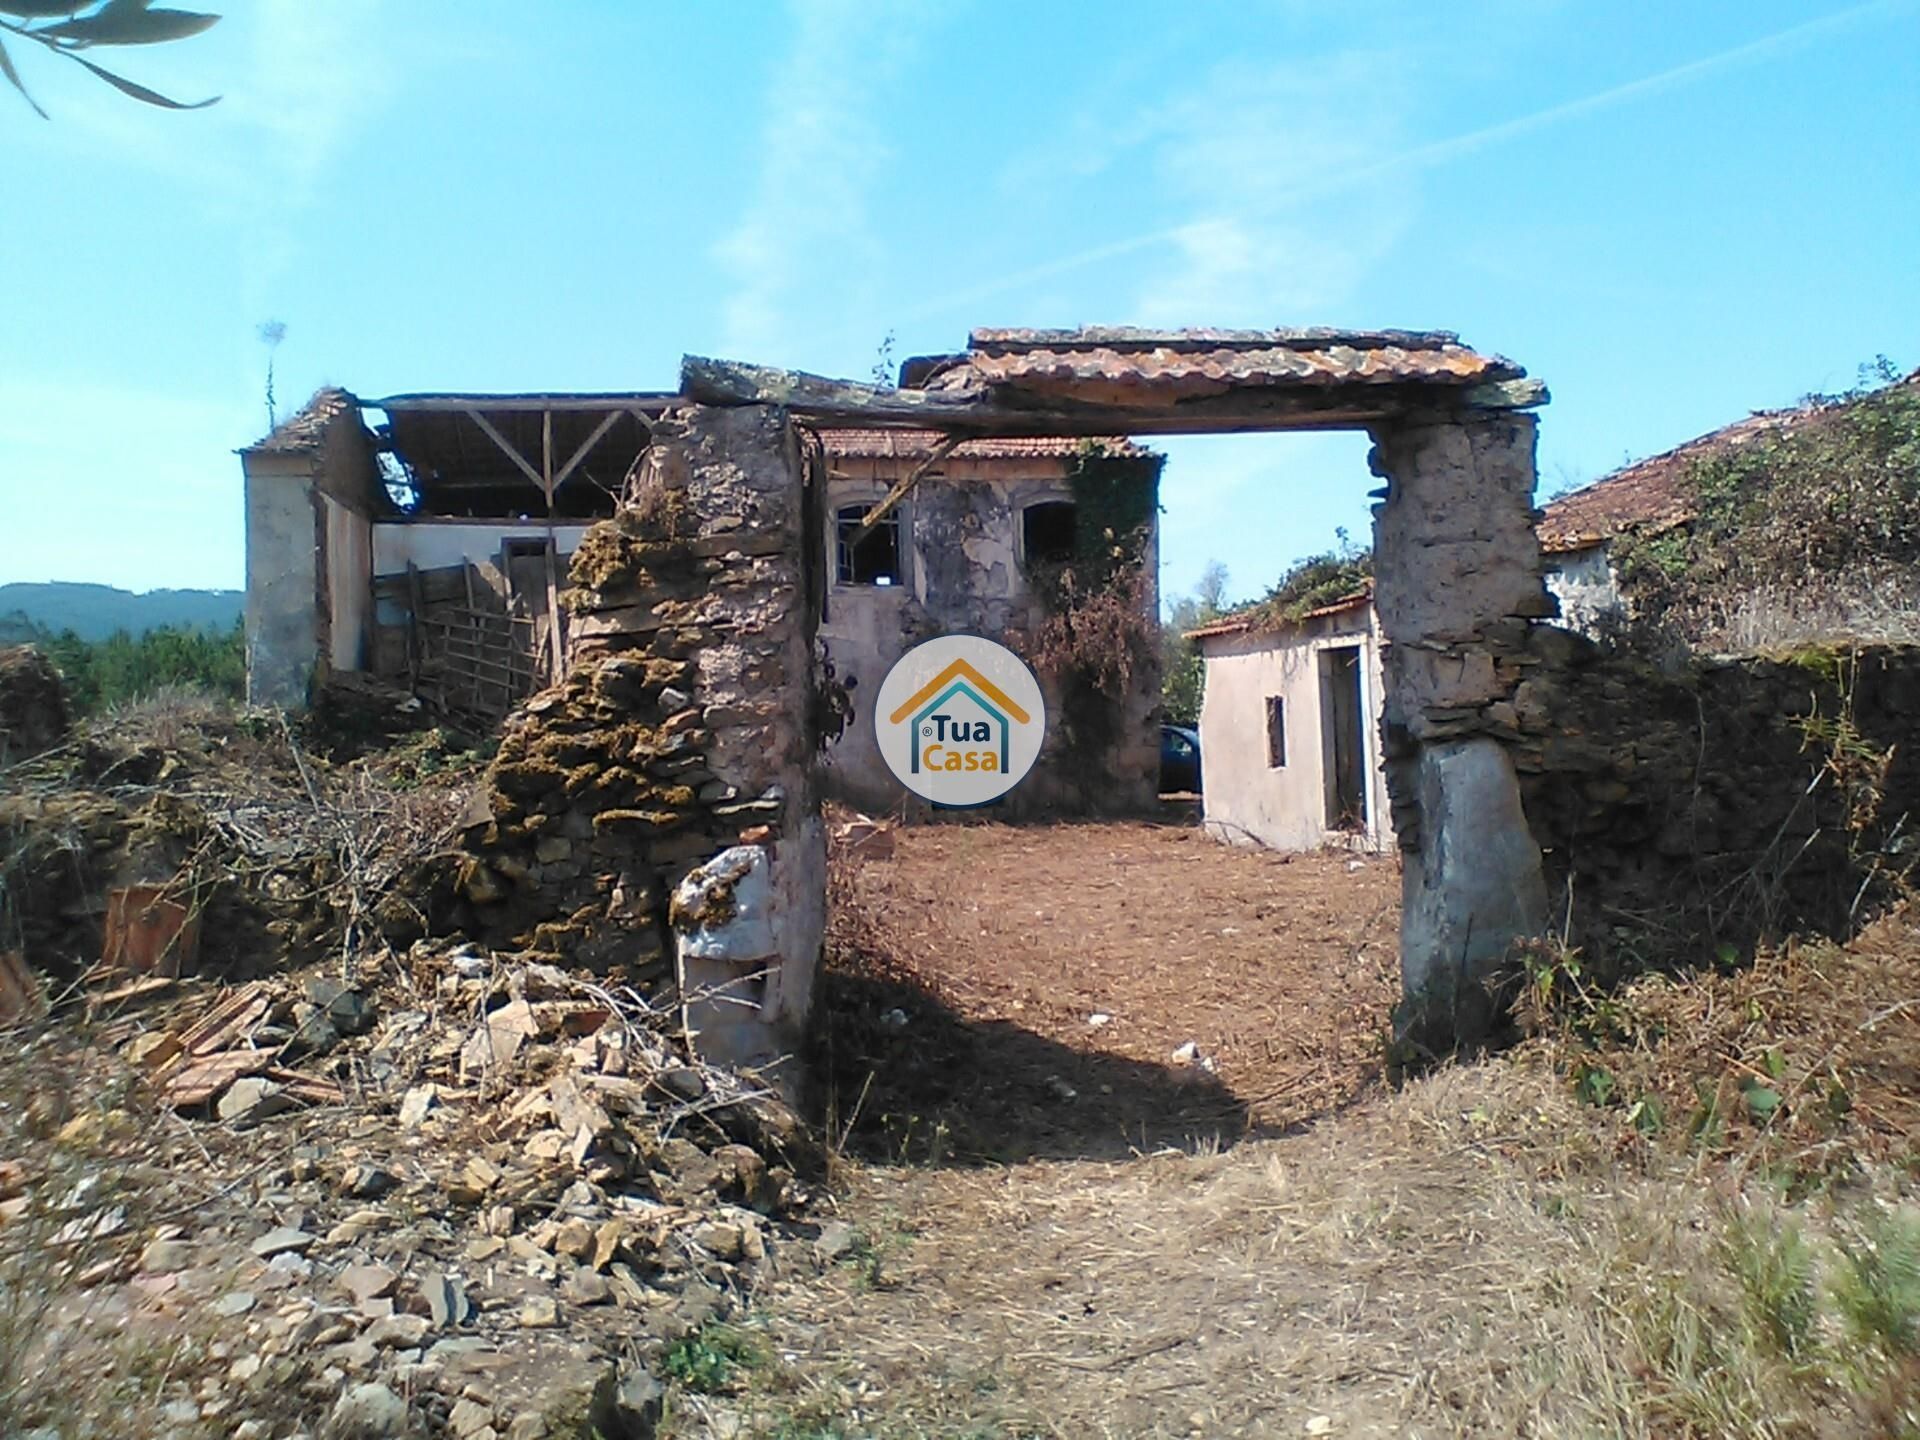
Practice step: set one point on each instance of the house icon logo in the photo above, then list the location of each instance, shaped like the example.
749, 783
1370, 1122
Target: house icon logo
960, 720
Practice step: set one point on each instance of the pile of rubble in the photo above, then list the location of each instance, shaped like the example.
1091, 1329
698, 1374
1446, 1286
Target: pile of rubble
476, 1198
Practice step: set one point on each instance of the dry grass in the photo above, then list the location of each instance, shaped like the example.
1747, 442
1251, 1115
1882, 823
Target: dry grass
1813, 610
1806, 1062
1467, 1258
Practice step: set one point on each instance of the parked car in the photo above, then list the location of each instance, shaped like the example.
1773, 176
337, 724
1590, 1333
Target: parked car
1179, 760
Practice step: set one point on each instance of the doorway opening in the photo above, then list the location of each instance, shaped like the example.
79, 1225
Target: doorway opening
1343, 738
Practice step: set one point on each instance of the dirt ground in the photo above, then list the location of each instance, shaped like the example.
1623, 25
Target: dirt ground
1491, 1250
1094, 990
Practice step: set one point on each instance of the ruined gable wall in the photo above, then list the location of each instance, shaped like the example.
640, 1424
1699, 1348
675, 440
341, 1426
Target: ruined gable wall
964, 574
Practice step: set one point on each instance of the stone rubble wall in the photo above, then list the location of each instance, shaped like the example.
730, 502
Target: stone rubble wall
1458, 588
1683, 810
685, 727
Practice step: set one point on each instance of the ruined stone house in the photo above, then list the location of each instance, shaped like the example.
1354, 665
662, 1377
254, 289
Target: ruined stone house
959, 554
661, 805
425, 538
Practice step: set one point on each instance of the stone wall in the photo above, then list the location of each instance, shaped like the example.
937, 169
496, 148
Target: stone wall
1730, 801
684, 733
1458, 588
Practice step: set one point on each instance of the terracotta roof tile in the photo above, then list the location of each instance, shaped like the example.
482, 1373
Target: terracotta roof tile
1653, 494
306, 428
1250, 619
1109, 364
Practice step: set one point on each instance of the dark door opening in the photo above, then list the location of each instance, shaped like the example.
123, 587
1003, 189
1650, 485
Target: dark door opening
1343, 739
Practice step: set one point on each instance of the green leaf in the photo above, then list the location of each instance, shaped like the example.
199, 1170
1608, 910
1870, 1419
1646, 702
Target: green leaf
1594, 1085
1648, 1115
13, 77
141, 92
1763, 1100
42, 9
131, 24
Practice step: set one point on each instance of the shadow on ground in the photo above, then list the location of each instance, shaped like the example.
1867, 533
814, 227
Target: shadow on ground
901, 1078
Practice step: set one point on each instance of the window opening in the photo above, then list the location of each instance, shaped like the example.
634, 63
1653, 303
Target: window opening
873, 559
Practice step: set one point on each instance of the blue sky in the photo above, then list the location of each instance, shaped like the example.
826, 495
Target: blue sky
1672, 214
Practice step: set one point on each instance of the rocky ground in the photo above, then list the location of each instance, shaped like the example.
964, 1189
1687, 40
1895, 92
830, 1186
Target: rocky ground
487, 1203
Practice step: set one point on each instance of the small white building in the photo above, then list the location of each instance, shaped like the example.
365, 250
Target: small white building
1289, 733
1290, 719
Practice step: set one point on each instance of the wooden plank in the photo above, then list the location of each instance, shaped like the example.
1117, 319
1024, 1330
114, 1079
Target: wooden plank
553, 562
941, 449
311, 1088
585, 445
724, 382
833, 404
512, 454
228, 1021
416, 604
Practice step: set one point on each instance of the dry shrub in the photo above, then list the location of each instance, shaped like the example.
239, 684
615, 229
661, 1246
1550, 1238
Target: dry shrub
1808, 1059
1812, 610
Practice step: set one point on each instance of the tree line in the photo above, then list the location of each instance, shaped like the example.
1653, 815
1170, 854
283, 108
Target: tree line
123, 667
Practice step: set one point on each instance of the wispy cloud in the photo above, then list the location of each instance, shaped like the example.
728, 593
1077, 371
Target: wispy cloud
1208, 249
317, 75
824, 141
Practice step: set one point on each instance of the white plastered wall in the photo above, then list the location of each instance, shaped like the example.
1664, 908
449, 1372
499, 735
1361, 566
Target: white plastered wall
1249, 802
432, 544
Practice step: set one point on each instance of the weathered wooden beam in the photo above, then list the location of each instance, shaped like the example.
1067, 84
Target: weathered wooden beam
506, 447
942, 448
558, 670
637, 402
1526, 394
833, 404
585, 445
725, 382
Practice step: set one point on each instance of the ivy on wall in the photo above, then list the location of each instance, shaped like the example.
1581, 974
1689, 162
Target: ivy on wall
1099, 634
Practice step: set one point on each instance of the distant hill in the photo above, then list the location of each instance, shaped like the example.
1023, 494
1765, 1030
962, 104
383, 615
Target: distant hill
94, 612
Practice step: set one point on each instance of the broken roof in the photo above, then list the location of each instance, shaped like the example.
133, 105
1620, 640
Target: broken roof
1257, 617
1653, 494
464, 440
305, 430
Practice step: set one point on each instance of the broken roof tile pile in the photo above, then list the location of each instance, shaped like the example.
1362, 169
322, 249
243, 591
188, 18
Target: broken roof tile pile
306, 428
1122, 365
498, 1190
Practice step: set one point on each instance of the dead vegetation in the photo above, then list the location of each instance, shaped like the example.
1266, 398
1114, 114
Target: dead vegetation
282, 851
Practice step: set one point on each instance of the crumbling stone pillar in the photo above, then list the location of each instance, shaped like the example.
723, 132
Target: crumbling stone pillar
1458, 583
659, 811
